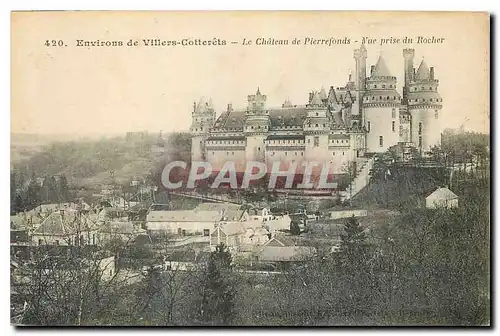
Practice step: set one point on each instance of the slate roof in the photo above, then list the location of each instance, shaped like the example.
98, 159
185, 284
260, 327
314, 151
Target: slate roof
59, 225
204, 212
288, 116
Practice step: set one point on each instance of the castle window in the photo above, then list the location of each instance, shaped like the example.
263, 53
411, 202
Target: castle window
251, 127
400, 130
393, 113
393, 126
301, 153
333, 153
286, 153
308, 140
420, 141
436, 114
381, 141
387, 97
383, 86
316, 125
316, 141
227, 153
295, 154
419, 128
368, 126
317, 114
232, 153
343, 153
213, 153
258, 127
373, 98
422, 88
258, 148
196, 130
272, 154
430, 88
375, 86
380, 97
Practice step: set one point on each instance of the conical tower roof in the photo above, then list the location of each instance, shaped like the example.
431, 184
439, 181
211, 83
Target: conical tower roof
316, 99
381, 69
423, 72
322, 94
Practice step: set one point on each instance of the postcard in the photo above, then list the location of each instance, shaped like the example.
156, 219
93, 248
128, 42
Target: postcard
250, 168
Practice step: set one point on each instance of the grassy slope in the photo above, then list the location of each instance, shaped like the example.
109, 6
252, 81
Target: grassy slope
406, 185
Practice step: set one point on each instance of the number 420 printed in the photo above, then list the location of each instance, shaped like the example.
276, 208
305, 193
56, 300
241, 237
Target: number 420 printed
55, 43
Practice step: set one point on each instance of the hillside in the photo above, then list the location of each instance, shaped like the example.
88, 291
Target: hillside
404, 185
90, 162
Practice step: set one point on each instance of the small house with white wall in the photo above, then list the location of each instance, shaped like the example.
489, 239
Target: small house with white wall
441, 198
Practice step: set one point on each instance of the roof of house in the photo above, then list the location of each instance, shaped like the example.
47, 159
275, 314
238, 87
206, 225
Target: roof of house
233, 228
183, 216
70, 223
442, 194
280, 239
117, 227
285, 253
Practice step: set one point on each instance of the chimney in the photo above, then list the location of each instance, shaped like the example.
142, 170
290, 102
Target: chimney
432, 73
194, 106
413, 75
229, 107
311, 96
372, 69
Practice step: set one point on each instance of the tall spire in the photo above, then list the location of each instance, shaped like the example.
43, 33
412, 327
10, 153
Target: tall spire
322, 93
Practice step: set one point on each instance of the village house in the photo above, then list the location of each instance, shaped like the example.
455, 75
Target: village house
123, 231
66, 228
281, 249
239, 235
198, 221
441, 198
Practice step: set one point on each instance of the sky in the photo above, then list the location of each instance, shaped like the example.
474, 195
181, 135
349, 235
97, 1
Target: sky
108, 90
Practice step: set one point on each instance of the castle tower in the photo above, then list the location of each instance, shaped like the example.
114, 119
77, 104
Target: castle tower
381, 103
316, 129
257, 124
424, 106
203, 118
360, 56
408, 55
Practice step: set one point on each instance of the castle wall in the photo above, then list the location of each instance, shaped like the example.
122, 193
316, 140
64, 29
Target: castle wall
197, 151
255, 148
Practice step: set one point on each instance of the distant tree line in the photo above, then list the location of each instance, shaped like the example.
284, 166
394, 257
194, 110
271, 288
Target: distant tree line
29, 191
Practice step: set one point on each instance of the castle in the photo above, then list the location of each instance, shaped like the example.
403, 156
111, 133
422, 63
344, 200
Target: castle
367, 115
